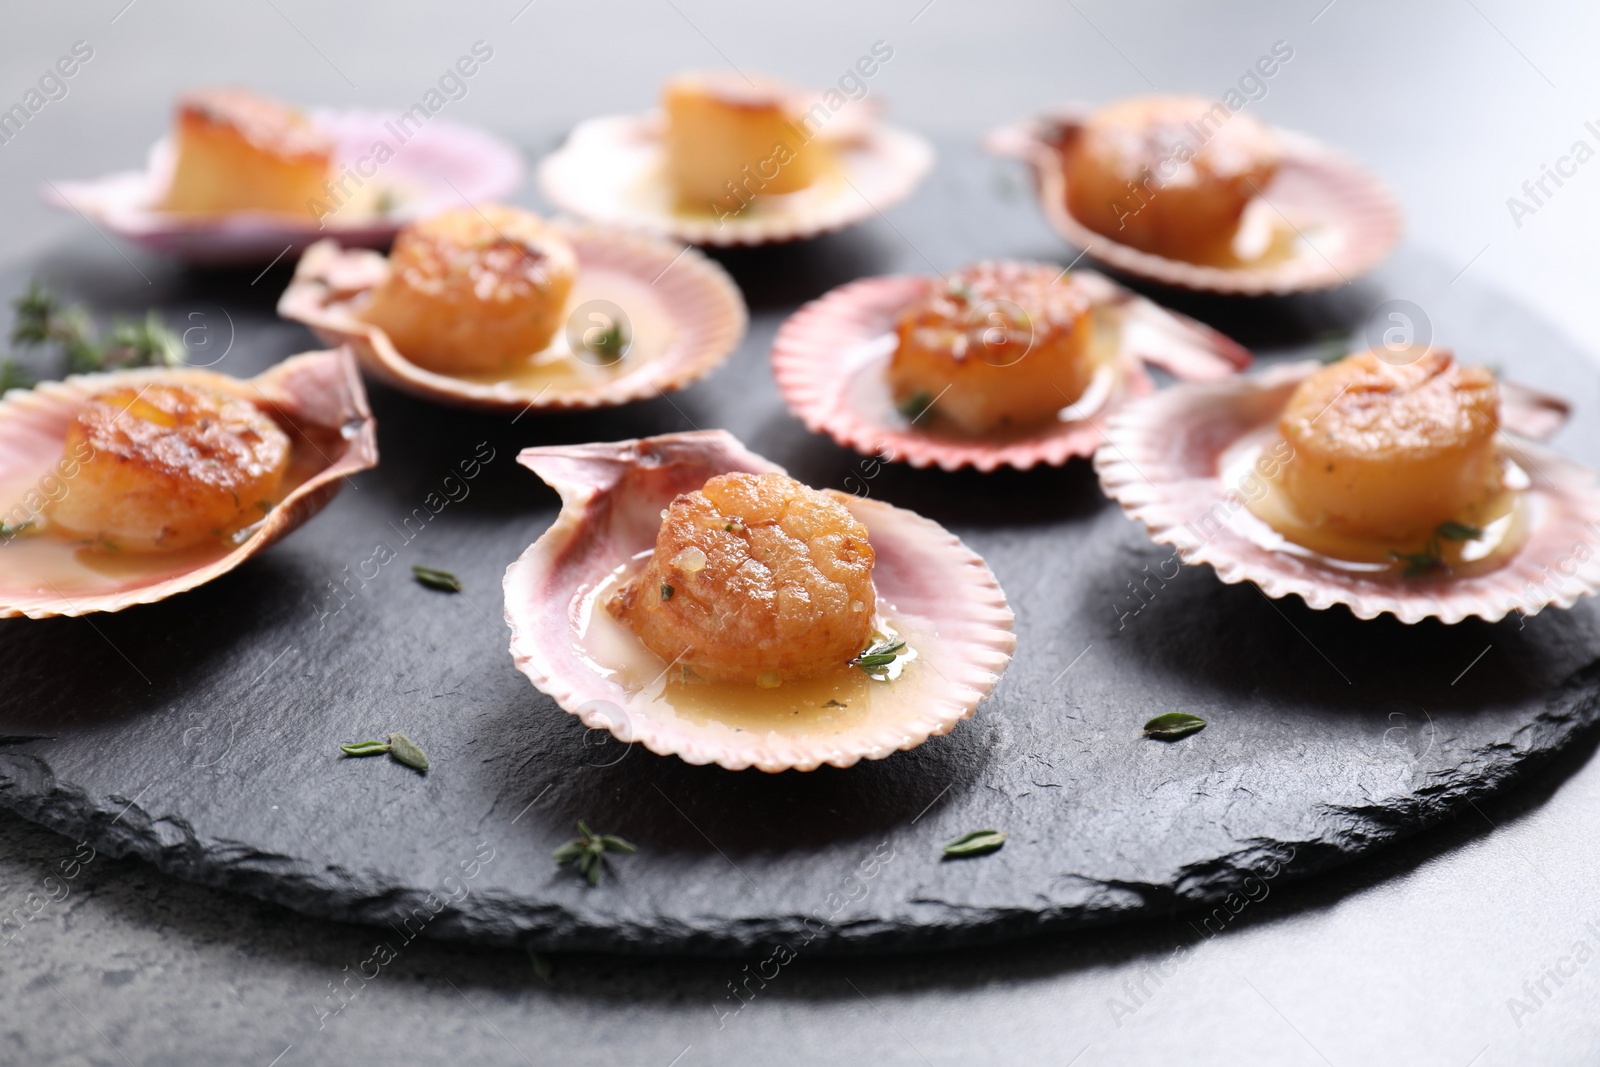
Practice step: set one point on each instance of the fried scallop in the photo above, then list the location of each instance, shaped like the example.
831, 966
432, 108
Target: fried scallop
474, 290
997, 345
730, 139
1391, 446
1169, 175
239, 151
167, 466
755, 578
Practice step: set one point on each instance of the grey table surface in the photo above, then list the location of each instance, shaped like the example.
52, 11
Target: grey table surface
1468, 945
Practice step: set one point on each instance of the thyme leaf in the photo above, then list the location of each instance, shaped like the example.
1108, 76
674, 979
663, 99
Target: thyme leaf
1173, 725
406, 751
976, 843
364, 748
913, 406
434, 578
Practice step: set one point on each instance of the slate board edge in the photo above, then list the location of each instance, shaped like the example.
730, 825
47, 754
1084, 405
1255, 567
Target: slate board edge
170, 845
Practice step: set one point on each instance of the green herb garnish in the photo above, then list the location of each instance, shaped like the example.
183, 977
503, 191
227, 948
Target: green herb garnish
9, 531
542, 967
43, 319
879, 655
1173, 725
588, 850
399, 746
667, 591
12, 376
1458, 531
608, 344
434, 578
977, 843
406, 751
913, 406
385, 202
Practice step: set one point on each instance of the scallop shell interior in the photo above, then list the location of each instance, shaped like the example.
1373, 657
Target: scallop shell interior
611, 170
933, 590
316, 398
1323, 219
830, 360
1171, 462
684, 315
432, 169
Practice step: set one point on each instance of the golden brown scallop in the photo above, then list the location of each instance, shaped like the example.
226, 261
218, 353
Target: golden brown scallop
1168, 174
754, 578
474, 290
167, 466
998, 345
239, 151
730, 140
1393, 450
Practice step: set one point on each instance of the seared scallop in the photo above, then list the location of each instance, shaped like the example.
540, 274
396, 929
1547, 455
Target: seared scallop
996, 345
1393, 450
239, 151
730, 139
1167, 174
474, 290
167, 466
754, 578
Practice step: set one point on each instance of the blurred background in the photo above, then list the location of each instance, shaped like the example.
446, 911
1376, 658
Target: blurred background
1409, 958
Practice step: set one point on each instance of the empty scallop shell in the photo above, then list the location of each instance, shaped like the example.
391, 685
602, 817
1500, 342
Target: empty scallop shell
686, 316
610, 170
1345, 220
830, 359
435, 168
316, 398
612, 496
1163, 462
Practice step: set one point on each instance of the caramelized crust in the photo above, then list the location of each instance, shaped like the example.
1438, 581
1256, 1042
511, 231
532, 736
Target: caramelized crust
755, 578
168, 466
1169, 175
474, 290
999, 344
238, 151
729, 140
1391, 450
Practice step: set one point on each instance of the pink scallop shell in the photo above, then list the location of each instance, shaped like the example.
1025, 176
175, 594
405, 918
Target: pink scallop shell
695, 292
829, 357
1161, 462
609, 170
611, 501
1315, 188
315, 392
442, 162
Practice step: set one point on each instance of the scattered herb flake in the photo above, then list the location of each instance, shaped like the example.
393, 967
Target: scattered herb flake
434, 578
542, 967
1173, 725
364, 748
406, 751
913, 406
587, 851
879, 655
8, 531
977, 843
667, 591
835, 704
1458, 531
609, 344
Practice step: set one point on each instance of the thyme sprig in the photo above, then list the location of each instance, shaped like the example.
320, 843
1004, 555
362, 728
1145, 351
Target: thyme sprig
1431, 559
588, 850
44, 320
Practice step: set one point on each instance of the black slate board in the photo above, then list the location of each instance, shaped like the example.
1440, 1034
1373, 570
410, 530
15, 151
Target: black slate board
202, 733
